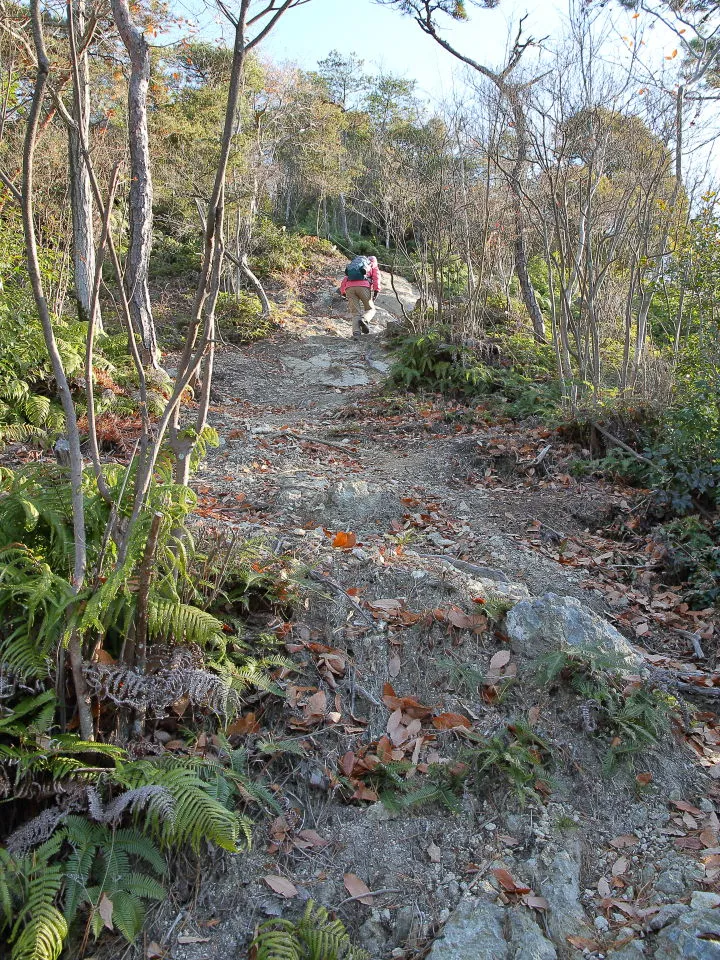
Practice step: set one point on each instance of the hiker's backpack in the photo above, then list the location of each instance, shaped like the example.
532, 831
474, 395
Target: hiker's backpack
359, 268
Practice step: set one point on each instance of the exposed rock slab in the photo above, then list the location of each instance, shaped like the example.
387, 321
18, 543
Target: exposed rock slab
693, 936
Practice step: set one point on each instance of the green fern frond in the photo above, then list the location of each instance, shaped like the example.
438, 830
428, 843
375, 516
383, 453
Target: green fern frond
182, 623
314, 937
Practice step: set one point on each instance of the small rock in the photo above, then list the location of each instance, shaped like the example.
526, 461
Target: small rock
702, 900
527, 941
601, 924
666, 915
473, 932
371, 936
403, 925
671, 882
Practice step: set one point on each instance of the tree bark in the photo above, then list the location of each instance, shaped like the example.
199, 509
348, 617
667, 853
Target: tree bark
63, 387
81, 200
141, 186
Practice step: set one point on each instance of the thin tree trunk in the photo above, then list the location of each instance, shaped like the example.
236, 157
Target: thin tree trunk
527, 290
73, 435
141, 187
81, 201
342, 213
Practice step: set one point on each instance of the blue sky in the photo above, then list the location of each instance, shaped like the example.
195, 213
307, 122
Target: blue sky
380, 35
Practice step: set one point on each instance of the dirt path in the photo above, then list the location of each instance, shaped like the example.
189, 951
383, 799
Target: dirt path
310, 450
280, 402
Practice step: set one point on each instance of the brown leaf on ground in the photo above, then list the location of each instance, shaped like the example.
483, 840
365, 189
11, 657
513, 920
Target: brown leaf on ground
344, 541
394, 666
408, 705
316, 705
536, 902
313, 838
507, 881
623, 841
105, 909
687, 807
347, 763
449, 721
583, 943
281, 885
363, 792
620, 866
243, 725
498, 661
396, 729
358, 888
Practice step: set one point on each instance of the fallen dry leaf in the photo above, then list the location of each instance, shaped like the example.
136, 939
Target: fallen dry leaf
105, 909
185, 940
313, 838
358, 888
449, 721
507, 881
344, 541
620, 866
394, 666
623, 841
243, 725
536, 902
316, 705
499, 660
155, 951
282, 886
582, 943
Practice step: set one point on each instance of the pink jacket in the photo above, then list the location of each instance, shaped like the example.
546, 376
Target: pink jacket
373, 282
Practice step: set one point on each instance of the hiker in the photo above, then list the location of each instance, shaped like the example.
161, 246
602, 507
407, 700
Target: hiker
360, 287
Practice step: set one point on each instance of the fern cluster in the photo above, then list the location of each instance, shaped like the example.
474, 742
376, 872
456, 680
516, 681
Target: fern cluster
633, 716
442, 785
315, 936
515, 757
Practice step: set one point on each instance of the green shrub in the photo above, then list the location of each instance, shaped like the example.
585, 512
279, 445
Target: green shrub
276, 251
630, 716
432, 362
240, 317
694, 556
171, 258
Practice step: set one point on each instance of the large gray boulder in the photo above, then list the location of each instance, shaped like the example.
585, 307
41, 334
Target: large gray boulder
551, 622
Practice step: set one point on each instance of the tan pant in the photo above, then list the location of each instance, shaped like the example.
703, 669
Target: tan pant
361, 306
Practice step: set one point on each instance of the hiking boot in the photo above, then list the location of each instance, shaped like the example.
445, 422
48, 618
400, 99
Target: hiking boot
364, 328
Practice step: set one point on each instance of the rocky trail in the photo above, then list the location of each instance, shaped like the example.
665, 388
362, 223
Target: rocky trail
432, 591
